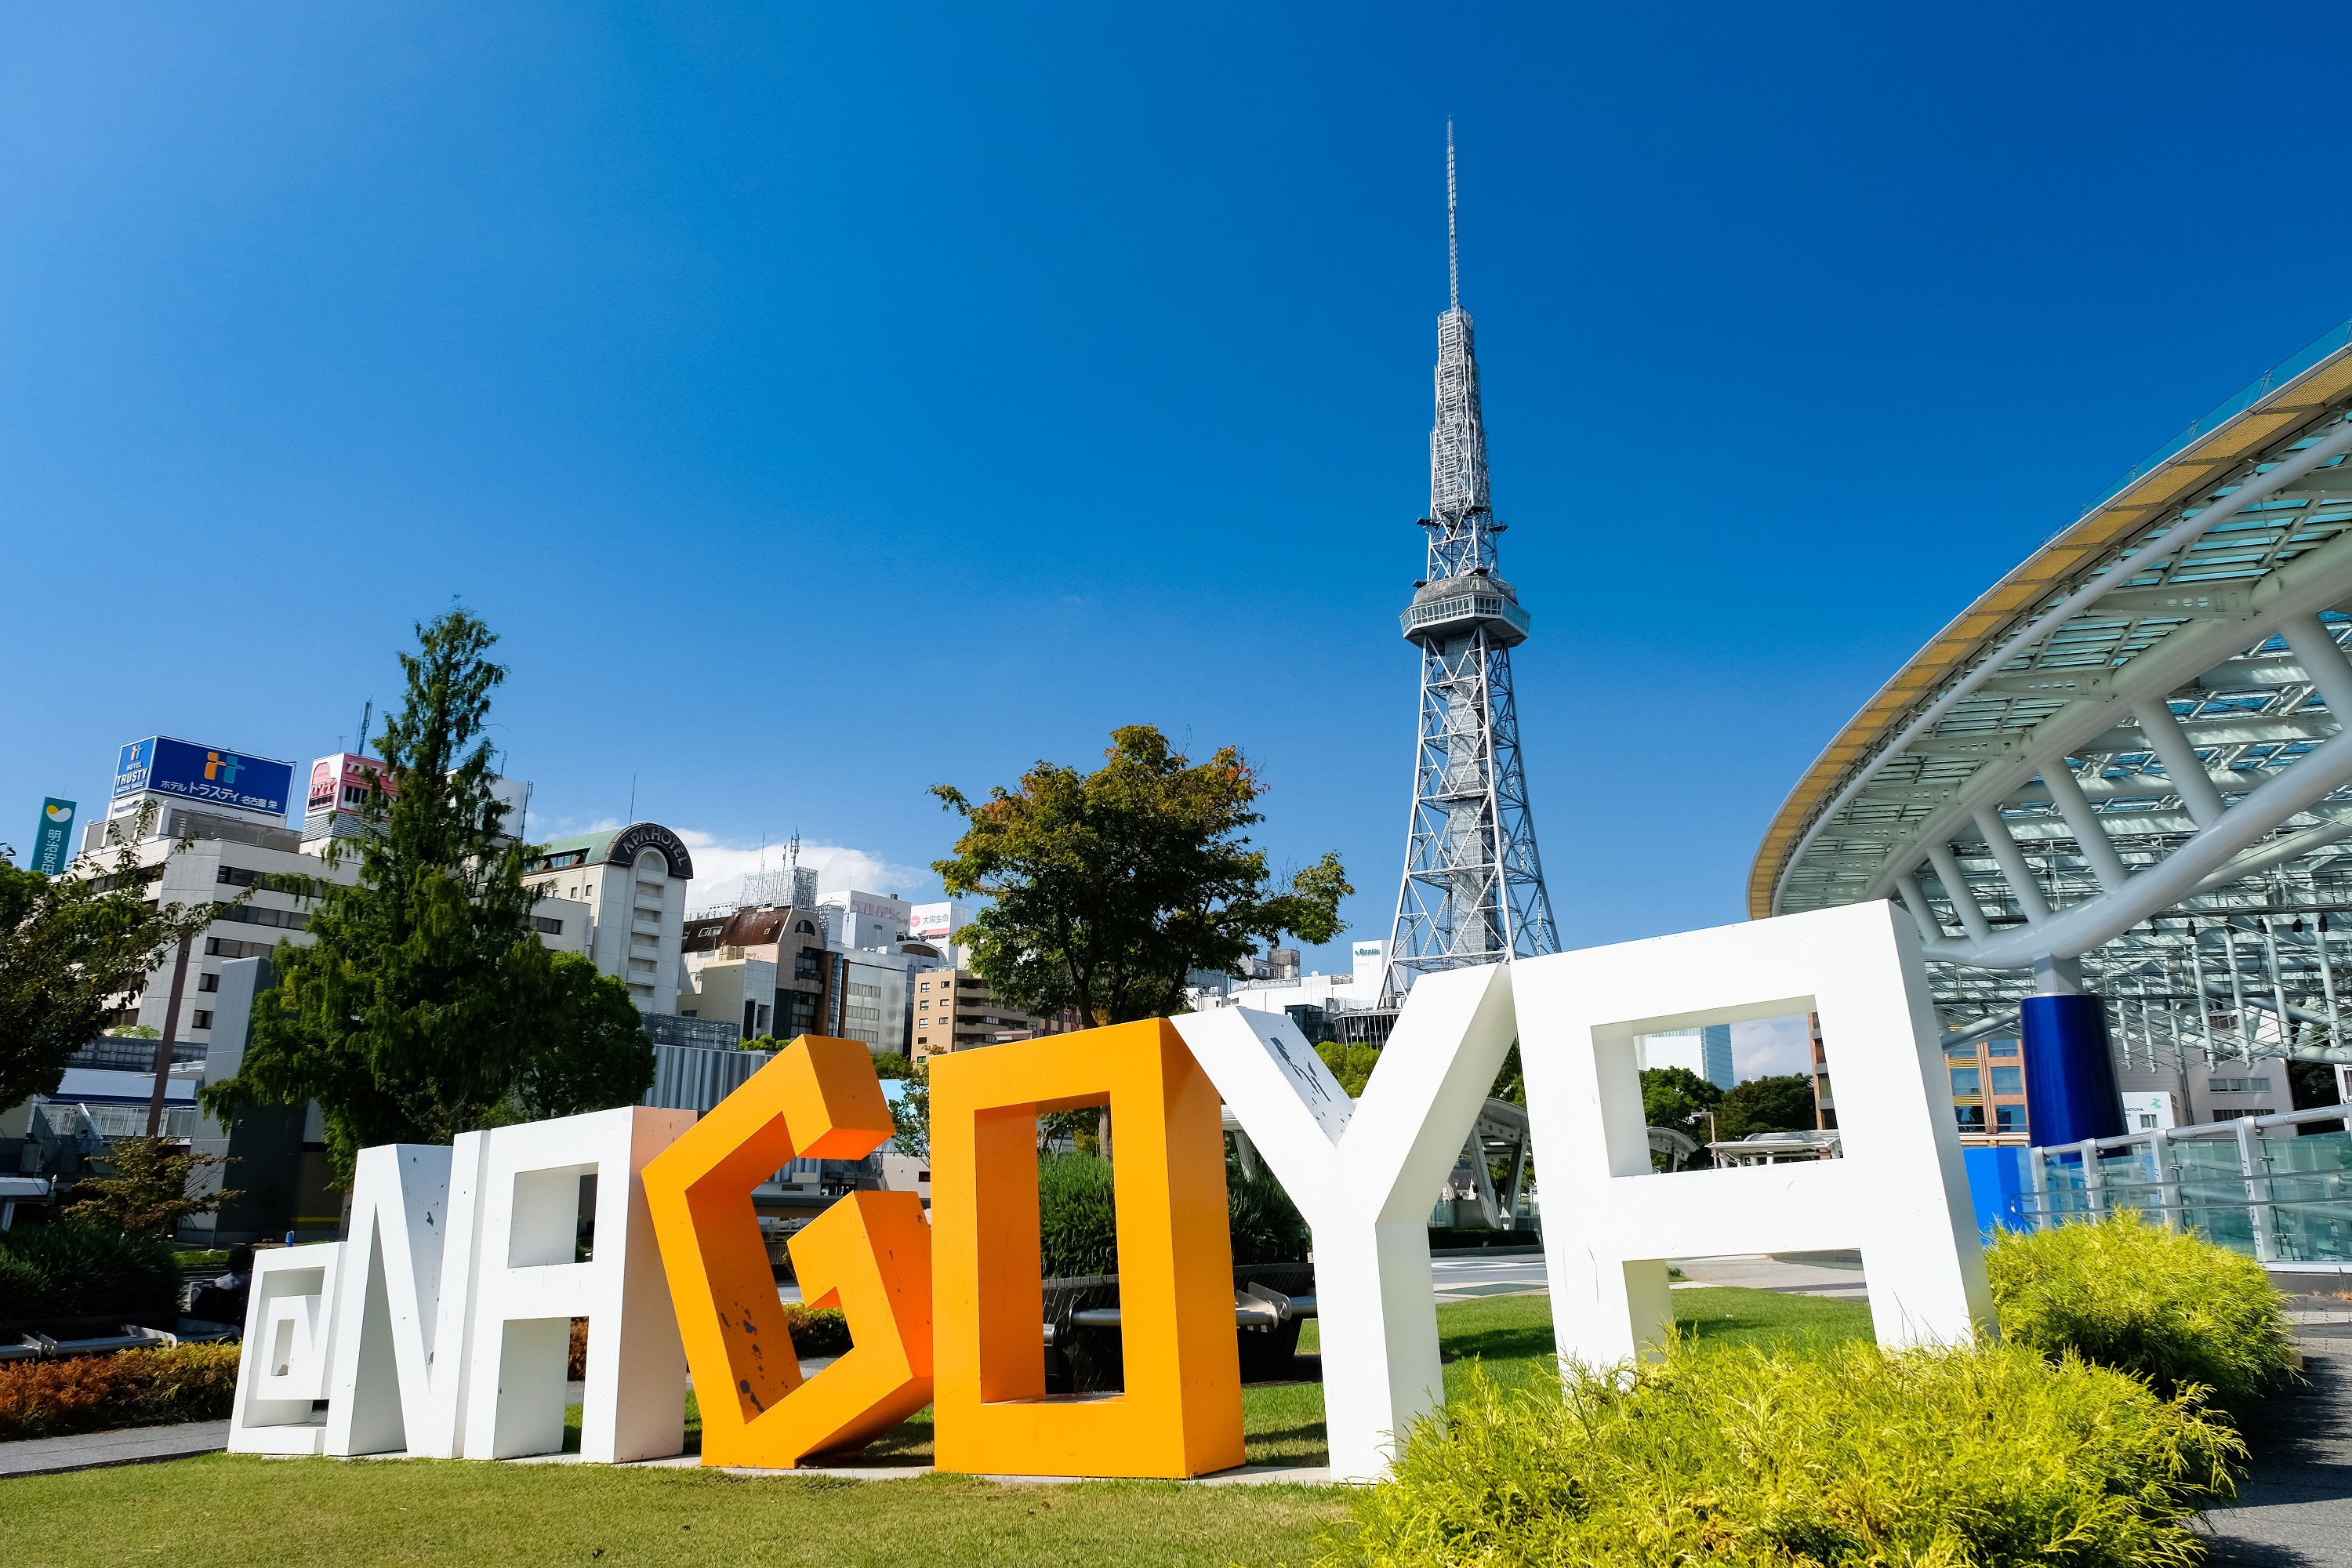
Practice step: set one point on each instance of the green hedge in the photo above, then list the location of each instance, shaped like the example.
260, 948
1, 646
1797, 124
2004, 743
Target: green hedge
68, 1269
1985, 1454
2167, 1305
1077, 1225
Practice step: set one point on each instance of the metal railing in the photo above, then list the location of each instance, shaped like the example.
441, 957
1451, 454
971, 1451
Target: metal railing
2279, 1199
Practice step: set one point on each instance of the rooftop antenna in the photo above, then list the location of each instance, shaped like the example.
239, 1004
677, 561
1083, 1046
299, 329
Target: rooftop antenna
633, 798
1452, 248
366, 714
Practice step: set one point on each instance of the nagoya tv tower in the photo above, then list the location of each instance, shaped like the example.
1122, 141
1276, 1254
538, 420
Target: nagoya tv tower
1474, 888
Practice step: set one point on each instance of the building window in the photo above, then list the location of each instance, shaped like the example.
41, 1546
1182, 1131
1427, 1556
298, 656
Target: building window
1971, 1118
202, 1019
245, 914
546, 926
207, 982
2012, 1118
228, 947
643, 965
2009, 1080
2241, 1086
235, 876
2002, 1048
924, 1006
805, 965
1965, 1081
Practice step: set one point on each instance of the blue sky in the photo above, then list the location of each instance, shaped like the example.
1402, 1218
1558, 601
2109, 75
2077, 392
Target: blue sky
824, 404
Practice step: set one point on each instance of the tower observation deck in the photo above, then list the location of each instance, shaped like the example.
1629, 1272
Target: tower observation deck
1473, 890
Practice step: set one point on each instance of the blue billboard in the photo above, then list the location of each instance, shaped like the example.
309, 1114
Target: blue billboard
209, 775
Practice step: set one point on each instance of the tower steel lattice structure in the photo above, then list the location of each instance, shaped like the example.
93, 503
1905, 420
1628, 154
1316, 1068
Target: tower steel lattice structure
1473, 890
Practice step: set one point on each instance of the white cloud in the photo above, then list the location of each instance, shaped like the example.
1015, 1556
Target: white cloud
719, 868
1768, 1047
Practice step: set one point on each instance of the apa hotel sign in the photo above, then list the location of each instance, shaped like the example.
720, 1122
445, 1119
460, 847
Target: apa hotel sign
440, 1326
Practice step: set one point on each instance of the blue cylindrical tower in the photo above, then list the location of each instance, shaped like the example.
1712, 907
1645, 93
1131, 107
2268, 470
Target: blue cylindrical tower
2070, 1075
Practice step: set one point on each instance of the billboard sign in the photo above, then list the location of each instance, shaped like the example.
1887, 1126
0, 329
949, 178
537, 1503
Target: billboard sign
341, 781
52, 837
209, 775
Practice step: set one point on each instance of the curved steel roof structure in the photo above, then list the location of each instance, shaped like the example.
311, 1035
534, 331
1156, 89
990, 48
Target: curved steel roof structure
2138, 726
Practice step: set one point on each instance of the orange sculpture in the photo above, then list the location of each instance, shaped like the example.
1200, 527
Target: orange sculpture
1181, 1412
869, 1254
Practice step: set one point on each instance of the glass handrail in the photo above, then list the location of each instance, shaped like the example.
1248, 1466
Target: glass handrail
2279, 375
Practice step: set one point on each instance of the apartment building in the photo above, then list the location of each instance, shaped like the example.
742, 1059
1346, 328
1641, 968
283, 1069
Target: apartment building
955, 1011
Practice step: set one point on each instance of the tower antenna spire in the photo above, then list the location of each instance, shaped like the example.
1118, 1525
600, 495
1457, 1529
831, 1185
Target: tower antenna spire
1453, 247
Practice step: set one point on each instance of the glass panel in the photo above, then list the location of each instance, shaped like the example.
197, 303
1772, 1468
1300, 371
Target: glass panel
2011, 1118
2002, 1048
2009, 1080
1965, 1081
1972, 1117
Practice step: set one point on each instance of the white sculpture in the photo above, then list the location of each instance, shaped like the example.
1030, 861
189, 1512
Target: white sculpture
1364, 1174
289, 1332
528, 1288
1899, 1192
407, 1296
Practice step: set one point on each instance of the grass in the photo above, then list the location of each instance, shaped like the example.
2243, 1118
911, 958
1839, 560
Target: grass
236, 1510
230, 1511
1510, 1336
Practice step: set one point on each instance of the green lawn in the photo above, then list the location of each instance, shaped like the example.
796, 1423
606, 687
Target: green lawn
1282, 1424
235, 1511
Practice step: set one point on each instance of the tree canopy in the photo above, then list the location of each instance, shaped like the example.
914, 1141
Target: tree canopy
1679, 1099
425, 1006
69, 947
1109, 888
1781, 1103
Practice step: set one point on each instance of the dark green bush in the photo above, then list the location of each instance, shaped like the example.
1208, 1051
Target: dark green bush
2168, 1305
1077, 1225
70, 1270
1075, 1222
1988, 1455
1266, 1225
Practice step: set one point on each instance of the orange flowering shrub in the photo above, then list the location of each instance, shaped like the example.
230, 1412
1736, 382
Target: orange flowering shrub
127, 1388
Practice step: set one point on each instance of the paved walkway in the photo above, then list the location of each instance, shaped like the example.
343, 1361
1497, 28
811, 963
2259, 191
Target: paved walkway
2296, 1510
97, 1450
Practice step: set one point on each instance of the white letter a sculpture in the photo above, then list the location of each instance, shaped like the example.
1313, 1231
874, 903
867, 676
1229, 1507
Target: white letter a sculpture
1365, 1174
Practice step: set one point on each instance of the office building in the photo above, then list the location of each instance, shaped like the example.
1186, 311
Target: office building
765, 968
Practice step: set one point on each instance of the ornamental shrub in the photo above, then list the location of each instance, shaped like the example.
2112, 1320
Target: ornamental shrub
1077, 1225
127, 1388
70, 1270
1990, 1454
1266, 1225
2168, 1305
1078, 1228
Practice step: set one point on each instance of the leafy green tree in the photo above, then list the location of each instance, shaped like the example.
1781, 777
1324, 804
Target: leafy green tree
1679, 1099
910, 1114
1107, 888
1351, 1065
892, 1063
148, 1193
1783, 1103
597, 1058
425, 1005
69, 947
